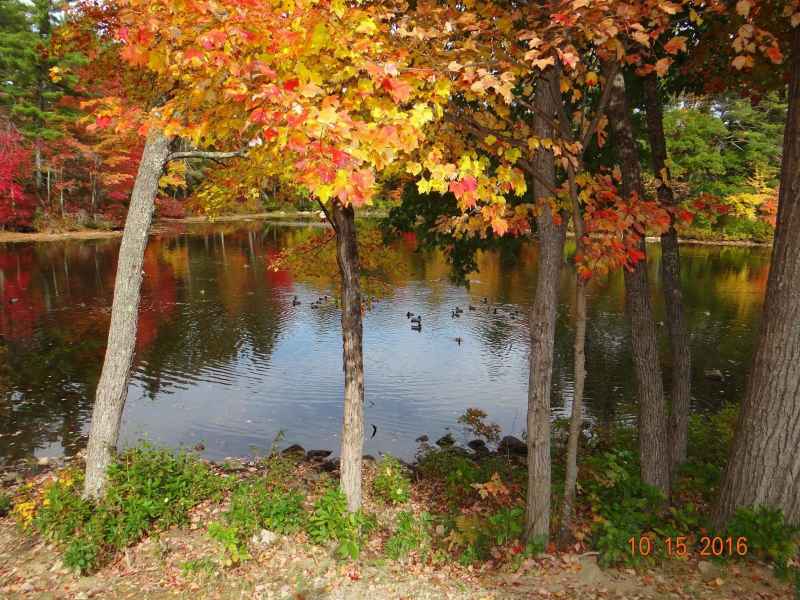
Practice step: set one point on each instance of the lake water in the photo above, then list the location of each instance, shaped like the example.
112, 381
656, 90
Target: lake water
224, 358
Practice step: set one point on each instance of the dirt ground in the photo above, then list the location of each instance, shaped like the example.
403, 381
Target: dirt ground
183, 563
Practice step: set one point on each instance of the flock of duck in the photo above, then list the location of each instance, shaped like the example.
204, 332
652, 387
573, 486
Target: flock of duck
416, 320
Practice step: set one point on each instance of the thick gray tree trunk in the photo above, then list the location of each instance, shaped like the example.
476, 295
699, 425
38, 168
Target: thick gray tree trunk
671, 282
112, 389
764, 465
543, 324
352, 355
653, 423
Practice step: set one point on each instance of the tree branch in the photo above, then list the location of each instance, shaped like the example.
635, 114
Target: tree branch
204, 154
327, 215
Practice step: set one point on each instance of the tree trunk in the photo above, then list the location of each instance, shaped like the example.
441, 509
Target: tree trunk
671, 281
353, 362
37, 162
576, 418
764, 465
112, 389
543, 325
653, 447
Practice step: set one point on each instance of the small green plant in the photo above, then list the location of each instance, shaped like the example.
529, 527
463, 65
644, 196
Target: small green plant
411, 534
507, 525
769, 536
5, 505
391, 483
203, 565
82, 555
234, 548
331, 521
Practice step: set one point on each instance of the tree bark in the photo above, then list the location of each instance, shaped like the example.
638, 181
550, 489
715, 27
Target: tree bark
112, 389
576, 418
543, 322
653, 448
764, 465
671, 282
353, 362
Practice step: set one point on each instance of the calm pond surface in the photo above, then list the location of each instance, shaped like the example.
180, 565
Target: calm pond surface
224, 358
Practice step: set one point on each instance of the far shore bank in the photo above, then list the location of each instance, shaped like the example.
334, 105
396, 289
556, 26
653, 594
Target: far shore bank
162, 225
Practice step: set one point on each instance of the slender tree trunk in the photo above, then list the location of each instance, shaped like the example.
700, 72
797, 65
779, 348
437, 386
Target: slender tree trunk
112, 389
576, 418
543, 325
37, 160
671, 282
764, 465
653, 423
353, 362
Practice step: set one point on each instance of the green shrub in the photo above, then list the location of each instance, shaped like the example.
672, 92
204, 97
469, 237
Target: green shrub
627, 507
147, 489
507, 525
233, 546
391, 484
768, 535
254, 506
410, 534
82, 554
152, 487
711, 436
331, 521
5, 505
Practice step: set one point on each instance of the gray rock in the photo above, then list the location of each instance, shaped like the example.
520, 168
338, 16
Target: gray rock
590, 574
264, 539
422, 439
318, 454
708, 569
445, 441
294, 449
512, 445
477, 445
714, 374
329, 466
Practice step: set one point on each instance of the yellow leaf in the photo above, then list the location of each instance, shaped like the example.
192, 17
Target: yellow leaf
327, 116
742, 61
367, 26
414, 168
669, 8
421, 114
642, 38
542, 63
338, 7
489, 140
320, 36
743, 7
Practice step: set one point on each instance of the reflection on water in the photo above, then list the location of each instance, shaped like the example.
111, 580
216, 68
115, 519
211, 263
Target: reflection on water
223, 356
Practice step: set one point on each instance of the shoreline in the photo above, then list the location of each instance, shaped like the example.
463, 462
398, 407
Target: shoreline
8, 237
